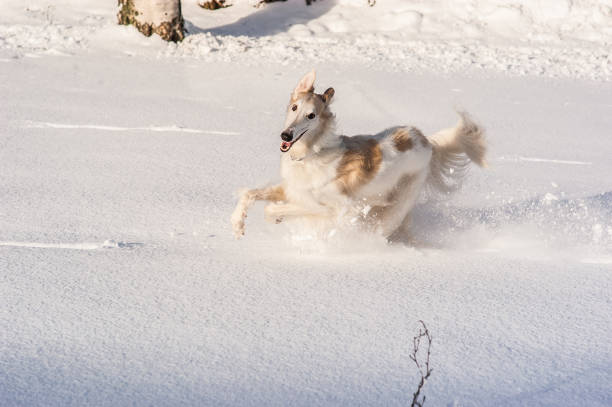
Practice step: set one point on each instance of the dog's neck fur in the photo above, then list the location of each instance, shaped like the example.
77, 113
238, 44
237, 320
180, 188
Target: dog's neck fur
324, 137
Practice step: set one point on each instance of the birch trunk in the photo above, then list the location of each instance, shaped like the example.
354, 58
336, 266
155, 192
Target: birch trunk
162, 17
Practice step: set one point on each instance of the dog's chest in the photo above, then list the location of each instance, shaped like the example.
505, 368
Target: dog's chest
308, 177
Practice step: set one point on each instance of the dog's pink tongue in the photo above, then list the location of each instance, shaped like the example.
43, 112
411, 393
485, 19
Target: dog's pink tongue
285, 146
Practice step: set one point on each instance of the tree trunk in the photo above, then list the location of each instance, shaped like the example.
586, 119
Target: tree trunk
162, 17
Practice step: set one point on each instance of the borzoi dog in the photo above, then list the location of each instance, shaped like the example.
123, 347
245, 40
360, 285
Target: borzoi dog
374, 181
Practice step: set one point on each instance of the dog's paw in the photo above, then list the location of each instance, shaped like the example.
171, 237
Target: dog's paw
238, 218
238, 228
271, 214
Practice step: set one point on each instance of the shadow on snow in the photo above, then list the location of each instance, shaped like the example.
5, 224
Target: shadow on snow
271, 19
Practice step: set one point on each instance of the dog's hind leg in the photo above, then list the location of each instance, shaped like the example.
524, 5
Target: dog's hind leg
247, 199
405, 196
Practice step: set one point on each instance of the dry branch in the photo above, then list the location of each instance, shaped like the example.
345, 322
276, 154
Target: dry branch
423, 365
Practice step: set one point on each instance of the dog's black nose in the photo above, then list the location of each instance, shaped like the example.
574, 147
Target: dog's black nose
287, 135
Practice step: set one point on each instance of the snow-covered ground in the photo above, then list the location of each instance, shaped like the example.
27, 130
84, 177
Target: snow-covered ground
120, 280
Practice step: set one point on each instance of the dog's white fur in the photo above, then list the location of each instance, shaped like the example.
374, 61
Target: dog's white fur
375, 179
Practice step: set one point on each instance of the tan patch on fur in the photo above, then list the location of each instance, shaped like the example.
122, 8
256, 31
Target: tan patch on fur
402, 139
274, 194
359, 164
418, 135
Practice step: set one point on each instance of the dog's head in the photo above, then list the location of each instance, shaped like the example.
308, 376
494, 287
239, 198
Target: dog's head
306, 114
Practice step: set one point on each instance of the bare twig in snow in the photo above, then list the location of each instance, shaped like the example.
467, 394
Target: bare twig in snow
422, 365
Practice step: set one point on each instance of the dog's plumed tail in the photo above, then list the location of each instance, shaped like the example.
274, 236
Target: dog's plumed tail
453, 149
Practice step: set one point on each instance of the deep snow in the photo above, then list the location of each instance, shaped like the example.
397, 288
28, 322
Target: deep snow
121, 283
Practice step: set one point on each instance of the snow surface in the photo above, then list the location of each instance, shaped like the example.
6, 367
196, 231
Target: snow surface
120, 280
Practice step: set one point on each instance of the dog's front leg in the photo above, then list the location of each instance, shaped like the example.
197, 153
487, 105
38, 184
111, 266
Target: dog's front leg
246, 200
278, 212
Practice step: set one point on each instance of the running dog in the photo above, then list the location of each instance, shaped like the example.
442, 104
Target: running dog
373, 180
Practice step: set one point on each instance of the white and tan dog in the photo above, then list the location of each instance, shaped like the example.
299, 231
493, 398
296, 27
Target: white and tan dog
374, 181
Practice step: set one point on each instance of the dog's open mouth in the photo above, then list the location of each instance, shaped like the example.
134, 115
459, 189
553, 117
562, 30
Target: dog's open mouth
286, 145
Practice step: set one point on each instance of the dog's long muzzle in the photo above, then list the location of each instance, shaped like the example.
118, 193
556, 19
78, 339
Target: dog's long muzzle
288, 140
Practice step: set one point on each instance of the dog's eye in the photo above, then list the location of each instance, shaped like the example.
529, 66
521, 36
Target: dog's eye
294, 108
311, 116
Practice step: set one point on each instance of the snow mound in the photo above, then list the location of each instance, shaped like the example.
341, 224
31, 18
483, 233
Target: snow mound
547, 38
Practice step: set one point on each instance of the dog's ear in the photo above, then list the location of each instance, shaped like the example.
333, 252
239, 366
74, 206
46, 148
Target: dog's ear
306, 84
328, 95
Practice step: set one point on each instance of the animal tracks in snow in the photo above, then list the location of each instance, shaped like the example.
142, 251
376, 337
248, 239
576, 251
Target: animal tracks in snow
171, 128
107, 244
519, 158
